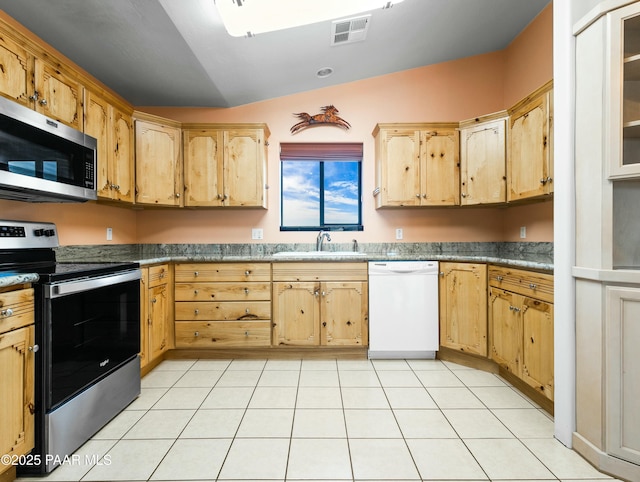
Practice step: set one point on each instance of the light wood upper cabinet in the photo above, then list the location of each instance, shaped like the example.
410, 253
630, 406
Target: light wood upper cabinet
320, 304
16, 75
113, 128
483, 151
530, 153
158, 161
39, 83
417, 165
58, 96
16, 373
463, 307
225, 165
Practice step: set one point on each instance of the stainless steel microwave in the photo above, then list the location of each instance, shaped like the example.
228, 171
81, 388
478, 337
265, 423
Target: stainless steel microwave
43, 160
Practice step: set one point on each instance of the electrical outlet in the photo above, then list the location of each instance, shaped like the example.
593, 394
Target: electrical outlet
399, 234
523, 232
109, 234
257, 233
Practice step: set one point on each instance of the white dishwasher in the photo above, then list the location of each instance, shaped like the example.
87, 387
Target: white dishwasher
403, 309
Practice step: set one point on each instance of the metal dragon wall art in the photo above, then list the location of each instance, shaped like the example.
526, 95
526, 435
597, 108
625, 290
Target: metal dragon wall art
327, 116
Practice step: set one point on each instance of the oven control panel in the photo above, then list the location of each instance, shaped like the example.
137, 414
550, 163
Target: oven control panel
27, 234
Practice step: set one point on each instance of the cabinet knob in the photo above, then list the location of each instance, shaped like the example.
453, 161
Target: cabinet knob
8, 312
177, 195
463, 195
195, 292
247, 273
43, 102
196, 334
34, 348
247, 310
246, 333
196, 273
324, 323
533, 286
246, 291
34, 96
418, 195
499, 278
153, 300
196, 312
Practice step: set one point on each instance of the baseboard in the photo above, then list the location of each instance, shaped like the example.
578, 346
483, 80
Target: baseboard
283, 353
618, 468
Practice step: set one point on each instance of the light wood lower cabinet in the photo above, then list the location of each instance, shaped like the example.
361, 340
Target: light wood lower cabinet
155, 316
463, 307
320, 304
521, 325
16, 373
223, 305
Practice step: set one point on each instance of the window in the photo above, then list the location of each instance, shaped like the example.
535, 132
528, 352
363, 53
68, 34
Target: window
321, 187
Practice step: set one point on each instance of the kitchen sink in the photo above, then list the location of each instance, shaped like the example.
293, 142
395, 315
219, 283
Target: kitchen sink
318, 254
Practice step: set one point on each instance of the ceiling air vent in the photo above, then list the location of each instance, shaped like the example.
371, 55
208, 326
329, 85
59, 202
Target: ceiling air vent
349, 30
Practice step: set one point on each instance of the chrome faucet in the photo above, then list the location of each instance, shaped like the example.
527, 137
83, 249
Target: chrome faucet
320, 239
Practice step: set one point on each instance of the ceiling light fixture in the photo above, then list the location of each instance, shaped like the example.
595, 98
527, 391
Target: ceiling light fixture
245, 18
324, 72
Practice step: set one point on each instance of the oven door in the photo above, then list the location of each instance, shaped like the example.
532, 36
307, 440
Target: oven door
91, 327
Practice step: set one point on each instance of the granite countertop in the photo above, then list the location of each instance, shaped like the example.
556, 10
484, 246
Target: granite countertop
535, 256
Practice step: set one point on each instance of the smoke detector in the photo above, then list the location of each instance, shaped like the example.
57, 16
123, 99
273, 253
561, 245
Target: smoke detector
349, 30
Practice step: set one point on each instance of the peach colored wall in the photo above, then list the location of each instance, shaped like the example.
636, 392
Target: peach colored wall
449, 91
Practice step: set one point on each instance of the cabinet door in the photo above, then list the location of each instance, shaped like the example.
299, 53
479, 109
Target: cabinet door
529, 153
483, 163
159, 320
463, 307
16, 392
296, 313
623, 372
344, 313
244, 168
97, 123
158, 174
505, 322
440, 176
537, 347
203, 171
59, 97
398, 165
16, 73
121, 150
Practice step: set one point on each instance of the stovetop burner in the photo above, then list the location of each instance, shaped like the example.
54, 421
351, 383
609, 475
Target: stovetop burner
28, 247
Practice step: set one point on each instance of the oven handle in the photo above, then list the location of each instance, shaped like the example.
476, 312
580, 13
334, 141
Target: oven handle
70, 287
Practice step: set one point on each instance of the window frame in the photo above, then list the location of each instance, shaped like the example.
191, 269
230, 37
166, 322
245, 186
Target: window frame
322, 153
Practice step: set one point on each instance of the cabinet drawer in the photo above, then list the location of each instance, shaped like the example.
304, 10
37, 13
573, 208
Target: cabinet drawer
528, 283
320, 271
16, 309
158, 275
224, 311
192, 272
194, 334
223, 291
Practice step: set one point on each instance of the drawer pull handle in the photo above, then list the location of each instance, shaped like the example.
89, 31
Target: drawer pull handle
8, 312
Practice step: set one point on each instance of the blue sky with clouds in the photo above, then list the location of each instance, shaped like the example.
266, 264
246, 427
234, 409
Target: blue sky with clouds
301, 193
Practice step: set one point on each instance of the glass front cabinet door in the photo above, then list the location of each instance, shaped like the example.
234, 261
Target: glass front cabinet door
624, 26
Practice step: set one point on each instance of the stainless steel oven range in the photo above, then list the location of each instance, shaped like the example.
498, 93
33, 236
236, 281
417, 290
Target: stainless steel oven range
87, 325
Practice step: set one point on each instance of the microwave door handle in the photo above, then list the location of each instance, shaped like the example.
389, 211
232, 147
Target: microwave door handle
72, 287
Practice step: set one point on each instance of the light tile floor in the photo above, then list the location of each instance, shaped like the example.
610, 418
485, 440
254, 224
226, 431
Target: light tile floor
360, 420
